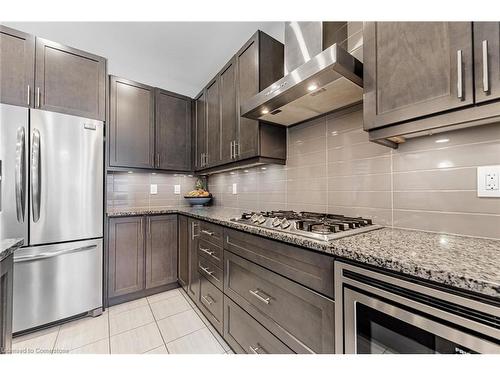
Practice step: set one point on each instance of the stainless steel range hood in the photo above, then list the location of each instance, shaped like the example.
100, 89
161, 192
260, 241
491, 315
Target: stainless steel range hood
331, 79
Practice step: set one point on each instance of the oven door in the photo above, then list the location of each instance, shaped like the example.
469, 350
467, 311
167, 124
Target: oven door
382, 313
373, 326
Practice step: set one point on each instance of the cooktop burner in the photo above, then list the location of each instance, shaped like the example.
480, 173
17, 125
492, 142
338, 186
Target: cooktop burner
320, 226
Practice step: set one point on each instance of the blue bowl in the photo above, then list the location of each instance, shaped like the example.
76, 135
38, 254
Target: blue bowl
198, 201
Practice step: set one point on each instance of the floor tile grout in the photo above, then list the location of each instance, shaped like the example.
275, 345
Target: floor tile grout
109, 334
157, 326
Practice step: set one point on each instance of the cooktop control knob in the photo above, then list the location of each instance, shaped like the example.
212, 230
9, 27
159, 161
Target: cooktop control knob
276, 222
261, 219
285, 223
254, 218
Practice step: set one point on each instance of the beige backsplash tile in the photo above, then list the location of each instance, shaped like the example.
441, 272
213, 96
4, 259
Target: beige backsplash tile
332, 167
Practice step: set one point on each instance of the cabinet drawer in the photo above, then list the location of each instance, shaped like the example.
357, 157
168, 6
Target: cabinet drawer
211, 303
246, 335
300, 317
210, 251
211, 232
306, 267
211, 272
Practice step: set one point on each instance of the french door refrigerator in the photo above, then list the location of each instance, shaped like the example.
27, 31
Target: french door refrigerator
52, 196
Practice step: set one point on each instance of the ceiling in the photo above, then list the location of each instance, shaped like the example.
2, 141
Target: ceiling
176, 56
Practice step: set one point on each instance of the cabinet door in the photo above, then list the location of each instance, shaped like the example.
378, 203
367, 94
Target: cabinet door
201, 130
17, 67
6, 296
414, 69
228, 111
68, 80
213, 123
131, 135
183, 257
487, 60
161, 250
173, 131
247, 86
194, 276
126, 255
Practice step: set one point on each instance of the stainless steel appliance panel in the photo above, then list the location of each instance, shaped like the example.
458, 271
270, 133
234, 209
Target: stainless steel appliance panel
13, 172
54, 282
66, 178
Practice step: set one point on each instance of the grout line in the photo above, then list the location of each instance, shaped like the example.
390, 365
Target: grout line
109, 333
55, 341
157, 326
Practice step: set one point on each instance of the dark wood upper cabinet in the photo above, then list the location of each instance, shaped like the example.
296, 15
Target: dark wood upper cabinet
260, 63
126, 255
173, 131
17, 67
161, 250
414, 69
131, 130
183, 257
200, 134
69, 80
487, 60
213, 123
229, 122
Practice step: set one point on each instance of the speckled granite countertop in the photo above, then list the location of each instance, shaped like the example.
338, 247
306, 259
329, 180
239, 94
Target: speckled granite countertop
9, 245
472, 264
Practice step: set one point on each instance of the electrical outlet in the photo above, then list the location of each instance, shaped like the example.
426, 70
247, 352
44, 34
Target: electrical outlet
153, 189
488, 181
235, 188
177, 189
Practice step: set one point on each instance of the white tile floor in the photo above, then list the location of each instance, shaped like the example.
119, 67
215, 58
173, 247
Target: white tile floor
164, 323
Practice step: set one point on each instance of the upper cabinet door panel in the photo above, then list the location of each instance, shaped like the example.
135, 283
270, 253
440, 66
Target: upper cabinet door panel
173, 131
70, 81
228, 111
247, 86
17, 67
487, 60
213, 123
131, 135
414, 69
200, 129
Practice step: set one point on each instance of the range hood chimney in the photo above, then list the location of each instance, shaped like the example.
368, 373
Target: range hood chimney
320, 76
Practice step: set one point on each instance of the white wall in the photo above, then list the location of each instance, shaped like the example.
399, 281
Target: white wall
177, 56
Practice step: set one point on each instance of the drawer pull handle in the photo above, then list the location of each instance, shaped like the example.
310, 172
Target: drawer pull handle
209, 273
207, 232
207, 299
256, 294
255, 349
207, 251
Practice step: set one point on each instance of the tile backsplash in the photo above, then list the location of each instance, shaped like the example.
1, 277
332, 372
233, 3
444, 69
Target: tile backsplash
428, 183
132, 190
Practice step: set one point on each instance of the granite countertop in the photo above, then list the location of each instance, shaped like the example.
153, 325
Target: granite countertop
9, 245
469, 263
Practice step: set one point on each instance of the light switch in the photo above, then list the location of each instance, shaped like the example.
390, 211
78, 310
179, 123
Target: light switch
488, 181
177, 189
153, 189
235, 188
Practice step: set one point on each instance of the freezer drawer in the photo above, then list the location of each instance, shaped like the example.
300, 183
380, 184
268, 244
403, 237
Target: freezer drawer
66, 178
55, 282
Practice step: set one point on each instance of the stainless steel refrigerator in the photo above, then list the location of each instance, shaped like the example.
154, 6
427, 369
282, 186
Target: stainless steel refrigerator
52, 196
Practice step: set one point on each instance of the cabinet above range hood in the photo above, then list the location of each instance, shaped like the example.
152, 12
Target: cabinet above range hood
320, 76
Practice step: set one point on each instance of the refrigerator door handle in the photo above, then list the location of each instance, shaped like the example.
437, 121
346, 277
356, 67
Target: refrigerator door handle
20, 176
35, 175
28, 258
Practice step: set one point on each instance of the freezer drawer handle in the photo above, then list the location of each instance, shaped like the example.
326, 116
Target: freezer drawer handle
28, 258
35, 175
20, 174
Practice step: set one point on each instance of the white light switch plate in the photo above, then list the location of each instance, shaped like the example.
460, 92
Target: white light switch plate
153, 189
488, 181
235, 188
177, 189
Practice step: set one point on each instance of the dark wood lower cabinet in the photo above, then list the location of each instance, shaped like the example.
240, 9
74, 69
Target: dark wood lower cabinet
6, 287
211, 303
142, 253
183, 256
193, 289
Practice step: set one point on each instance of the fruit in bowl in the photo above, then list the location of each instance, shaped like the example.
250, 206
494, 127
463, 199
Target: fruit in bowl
198, 193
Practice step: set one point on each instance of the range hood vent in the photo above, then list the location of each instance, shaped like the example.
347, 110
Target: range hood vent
329, 80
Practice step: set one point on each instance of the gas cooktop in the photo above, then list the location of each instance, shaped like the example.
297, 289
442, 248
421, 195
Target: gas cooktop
319, 226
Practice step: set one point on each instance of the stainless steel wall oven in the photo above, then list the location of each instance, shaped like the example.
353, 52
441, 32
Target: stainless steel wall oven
377, 313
